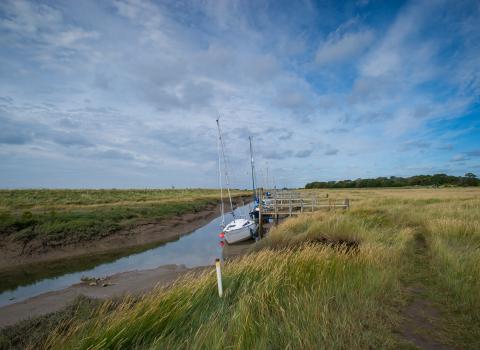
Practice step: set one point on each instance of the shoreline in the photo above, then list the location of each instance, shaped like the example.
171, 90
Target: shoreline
132, 282
20, 270
142, 233
136, 282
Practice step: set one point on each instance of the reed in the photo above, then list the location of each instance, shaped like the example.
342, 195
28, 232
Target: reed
304, 286
303, 298
58, 217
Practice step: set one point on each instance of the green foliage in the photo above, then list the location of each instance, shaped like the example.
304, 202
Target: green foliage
299, 289
77, 225
32, 334
314, 297
419, 180
68, 216
43, 198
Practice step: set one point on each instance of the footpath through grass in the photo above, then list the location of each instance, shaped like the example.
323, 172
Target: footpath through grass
331, 280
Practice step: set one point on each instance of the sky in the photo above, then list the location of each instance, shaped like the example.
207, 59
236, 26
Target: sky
123, 94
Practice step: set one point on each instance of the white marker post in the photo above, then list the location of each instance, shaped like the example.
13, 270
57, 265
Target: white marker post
219, 277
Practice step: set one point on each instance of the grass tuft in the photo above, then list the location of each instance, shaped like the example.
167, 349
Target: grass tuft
304, 287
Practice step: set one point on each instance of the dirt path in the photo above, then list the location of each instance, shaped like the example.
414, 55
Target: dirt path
132, 282
422, 319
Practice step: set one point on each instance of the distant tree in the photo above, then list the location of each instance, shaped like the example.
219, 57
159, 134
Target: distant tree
436, 180
470, 179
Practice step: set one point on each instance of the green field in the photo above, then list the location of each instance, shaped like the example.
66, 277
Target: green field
334, 280
58, 217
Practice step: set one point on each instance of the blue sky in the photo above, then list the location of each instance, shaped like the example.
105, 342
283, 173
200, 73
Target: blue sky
125, 93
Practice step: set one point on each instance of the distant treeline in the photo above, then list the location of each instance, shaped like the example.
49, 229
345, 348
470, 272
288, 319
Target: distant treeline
393, 181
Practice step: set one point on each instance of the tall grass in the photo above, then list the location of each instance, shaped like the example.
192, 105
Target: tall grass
43, 198
307, 286
58, 217
454, 238
313, 297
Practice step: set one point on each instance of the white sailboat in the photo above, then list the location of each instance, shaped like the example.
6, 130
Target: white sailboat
239, 229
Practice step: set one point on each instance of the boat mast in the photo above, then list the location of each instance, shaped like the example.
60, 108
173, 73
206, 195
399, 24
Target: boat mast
222, 209
253, 170
227, 181
268, 182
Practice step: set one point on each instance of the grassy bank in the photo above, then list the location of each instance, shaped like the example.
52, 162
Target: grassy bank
33, 334
59, 217
335, 280
29, 273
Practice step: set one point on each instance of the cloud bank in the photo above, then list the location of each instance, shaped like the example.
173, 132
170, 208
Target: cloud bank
125, 93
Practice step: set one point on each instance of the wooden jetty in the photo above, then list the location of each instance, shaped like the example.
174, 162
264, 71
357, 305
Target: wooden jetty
293, 203
281, 203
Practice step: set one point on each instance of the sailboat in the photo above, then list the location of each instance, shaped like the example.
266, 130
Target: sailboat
239, 229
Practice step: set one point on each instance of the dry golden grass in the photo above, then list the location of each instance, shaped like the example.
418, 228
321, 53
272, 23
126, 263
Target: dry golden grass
303, 287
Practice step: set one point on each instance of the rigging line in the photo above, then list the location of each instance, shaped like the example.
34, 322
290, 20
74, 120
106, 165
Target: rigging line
227, 181
222, 210
252, 163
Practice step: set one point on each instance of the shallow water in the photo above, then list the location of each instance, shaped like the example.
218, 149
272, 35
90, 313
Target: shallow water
199, 248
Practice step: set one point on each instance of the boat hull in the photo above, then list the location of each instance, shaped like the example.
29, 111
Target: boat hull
241, 234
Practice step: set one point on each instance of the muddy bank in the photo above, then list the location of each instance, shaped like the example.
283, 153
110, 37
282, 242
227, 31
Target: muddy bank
125, 283
132, 283
19, 269
144, 232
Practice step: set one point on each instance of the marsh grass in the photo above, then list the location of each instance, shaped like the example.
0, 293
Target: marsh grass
293, 292
454, 240
32, 334
308, 298
29, 273
59, 217
60, 199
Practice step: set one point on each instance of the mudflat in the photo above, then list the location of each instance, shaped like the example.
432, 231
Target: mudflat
14, 254
125, 283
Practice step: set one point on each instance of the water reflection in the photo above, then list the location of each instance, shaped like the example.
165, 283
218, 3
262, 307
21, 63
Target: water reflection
199, 248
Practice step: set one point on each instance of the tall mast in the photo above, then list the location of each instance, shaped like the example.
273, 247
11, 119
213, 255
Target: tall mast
227, 181
222, 209
253, 169
268, 182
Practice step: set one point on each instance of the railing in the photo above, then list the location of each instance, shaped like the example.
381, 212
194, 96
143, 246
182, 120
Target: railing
293, 203
285, 203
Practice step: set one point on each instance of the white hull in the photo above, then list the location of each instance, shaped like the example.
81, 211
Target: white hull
238, 234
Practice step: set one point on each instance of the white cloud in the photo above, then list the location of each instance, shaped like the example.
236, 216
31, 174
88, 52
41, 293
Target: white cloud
140, 87
402, 52
42, 32
340, 47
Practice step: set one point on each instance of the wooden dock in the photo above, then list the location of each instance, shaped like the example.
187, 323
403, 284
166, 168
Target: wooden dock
284, 203
294, 202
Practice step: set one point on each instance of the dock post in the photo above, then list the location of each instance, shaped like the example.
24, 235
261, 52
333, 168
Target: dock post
290, 208
347, 203
219, 277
